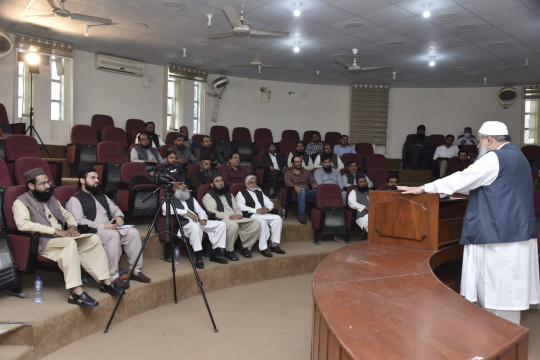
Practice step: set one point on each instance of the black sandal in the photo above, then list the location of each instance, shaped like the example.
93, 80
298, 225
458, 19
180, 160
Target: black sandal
84, 300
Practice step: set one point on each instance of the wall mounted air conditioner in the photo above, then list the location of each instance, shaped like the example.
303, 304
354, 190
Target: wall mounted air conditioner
119, 65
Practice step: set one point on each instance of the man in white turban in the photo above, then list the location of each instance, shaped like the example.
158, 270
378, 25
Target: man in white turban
500, 257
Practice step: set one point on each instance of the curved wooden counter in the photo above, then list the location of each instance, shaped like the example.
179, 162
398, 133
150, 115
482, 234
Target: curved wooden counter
382, 301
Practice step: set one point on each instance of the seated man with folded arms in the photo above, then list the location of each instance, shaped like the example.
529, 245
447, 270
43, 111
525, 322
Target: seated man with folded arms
336, 161
315, 146
273, 164
351, 176
38, 211
221, 203
234, 173
359, 200
443, 154
144, 152
194, 221
307, 161
303, 185
184, 156
205, 174
328, 175
255, 205
91, 207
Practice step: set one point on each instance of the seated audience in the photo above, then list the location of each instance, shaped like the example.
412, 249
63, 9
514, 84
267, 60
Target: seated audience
234, 173
419, 150
443, 154
336, 161
184, 156
328, 175
221, 203
255, 205
194, 222
273, 163
154, 139
91, 207
144, 152
307, 162
304, 186
359, 200
38, 211
392, 182
351, 176
204, 175
183, 130
315, 146
467, 138
207, 150
344, 147
464, 162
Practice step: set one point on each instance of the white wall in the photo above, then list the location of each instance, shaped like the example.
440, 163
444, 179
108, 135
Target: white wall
308, 107
446, 111
120, 96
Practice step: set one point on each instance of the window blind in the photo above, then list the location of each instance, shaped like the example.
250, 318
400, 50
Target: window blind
186, 73
43, 46
369, 114
531, 92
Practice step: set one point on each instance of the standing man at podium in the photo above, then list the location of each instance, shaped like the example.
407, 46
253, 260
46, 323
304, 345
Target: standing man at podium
500, 257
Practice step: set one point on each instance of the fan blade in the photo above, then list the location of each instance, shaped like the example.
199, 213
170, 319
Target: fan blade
379, 67
263, 32
90, 18
232, 16
342, 62
220, 35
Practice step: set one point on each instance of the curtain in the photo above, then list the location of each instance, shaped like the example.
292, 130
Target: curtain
369, 114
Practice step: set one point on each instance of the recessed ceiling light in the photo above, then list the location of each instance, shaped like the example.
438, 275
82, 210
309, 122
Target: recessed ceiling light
353, 25
426, 14
447, 16
498, 44
396, 43
465, 27
174, 5
138, 26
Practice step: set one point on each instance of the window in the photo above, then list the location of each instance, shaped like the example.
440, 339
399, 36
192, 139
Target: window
20, 89
196, 106
57, 89
171, 96
531, 105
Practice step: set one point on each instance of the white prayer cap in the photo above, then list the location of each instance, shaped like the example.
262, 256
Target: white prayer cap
493, 128
249, 177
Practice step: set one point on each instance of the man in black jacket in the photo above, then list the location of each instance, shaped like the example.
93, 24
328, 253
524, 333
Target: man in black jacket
273, 163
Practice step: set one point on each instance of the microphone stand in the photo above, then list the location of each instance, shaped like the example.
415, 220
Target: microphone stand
32, 128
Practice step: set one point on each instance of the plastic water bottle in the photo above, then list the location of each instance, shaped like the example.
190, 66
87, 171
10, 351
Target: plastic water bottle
177, 256
38, 285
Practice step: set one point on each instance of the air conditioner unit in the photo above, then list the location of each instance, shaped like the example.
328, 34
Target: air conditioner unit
119, 65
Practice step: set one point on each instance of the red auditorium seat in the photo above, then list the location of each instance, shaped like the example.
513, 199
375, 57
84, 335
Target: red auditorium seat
332, 138
376, 161
131, 196
242, 144
117, 135
291, 135
328, 216
307, 136
133, 125
437, 140
261, 144
7, 128
236, 187
346, 158
287, 146
219, 132
263, 133
100, 122
110, 156
378, 177
24, 164
169, 139
81, 152
364, 149
531, 152
5, 182
64, 193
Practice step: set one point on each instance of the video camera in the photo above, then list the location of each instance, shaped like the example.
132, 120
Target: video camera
165, 175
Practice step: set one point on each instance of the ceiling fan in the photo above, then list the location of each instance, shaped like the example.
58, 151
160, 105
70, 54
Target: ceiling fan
60, 10
357, 68
256, 61
240, 28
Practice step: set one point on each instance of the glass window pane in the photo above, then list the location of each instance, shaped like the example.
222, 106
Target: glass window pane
55, 110
168, 122
55, 91
527, 119
195, 126
20, 86
21, 67
196, 110
527, 106
19, 107
170, 89
169, 106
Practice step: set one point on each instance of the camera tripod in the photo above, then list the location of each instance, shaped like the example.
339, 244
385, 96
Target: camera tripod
32, 128
167, 200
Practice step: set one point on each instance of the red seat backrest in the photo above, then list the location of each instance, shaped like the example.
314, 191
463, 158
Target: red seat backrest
307, 136
219, 132
163, 150
131, 169
100, 122
346, 158
3, 115
11, 194
364, 149
132, 124
24, 164
115, 134
83, 134
169, 139
201, 191
376, 161
436, 139
21, 146
192, 169
110, 152
531, 152
236, 187
197, 138
241, 134
5, 177
65, 192
329, 195
378, 177
263, 133
291, 135
332, 138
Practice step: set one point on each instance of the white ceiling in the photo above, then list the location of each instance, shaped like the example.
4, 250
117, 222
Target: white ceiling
464, 58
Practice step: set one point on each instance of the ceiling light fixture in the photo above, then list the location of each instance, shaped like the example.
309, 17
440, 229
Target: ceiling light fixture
184, 53
485, 81
297, 11
209, 23
394, 73
426, 14
296, 48
432, 62
526, 63
86, 28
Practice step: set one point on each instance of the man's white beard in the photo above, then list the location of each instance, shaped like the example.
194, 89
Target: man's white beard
482, 151
182, 195
253, 188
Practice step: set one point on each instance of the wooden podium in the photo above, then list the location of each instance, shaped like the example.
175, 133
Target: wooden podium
422, 221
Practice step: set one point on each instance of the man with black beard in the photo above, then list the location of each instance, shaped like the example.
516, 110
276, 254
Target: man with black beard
328, 175
38, 211
336, 161
392, 182
208, 151
307, 162
154, 139
185, 133
184, 156
419, 150
221, 202
144, 152
205, 174
359, 200
91, 207
194, 221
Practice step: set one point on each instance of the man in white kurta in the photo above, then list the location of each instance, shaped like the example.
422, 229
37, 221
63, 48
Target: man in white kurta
197, 223
249, 201
500, 258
